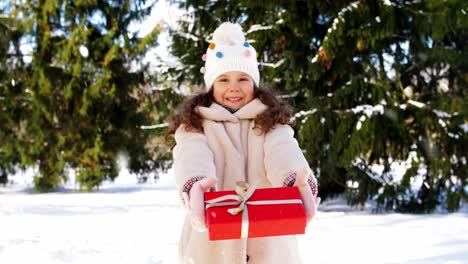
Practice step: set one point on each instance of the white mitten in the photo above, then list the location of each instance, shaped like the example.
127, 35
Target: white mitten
310, 202
197, 203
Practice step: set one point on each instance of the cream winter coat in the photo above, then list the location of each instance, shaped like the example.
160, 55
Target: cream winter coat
231, 150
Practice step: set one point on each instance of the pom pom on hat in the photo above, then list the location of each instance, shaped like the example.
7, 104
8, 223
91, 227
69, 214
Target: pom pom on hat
229, 51
228, 33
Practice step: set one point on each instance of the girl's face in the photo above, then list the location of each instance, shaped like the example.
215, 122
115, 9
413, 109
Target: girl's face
233, 89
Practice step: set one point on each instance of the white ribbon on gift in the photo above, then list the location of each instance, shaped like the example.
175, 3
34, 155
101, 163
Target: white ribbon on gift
244, 192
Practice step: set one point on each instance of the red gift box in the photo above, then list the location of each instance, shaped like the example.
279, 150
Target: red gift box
267, 212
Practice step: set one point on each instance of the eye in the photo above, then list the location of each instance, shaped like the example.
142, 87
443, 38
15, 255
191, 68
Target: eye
222, 80
244, 79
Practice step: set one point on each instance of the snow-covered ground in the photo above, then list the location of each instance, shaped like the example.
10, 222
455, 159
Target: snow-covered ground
126, 222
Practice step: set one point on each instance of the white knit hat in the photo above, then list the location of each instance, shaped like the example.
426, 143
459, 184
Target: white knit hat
229, 52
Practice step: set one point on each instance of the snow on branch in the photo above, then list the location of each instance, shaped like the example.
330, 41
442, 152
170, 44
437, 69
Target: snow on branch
387, 3
291, 95
159, 88
464, 127
396, 168
368, 110
187, 35
274, 65
302, 113
442, 114
336, 21
257, 27
155, 126
416, 103
348, 8
376, 173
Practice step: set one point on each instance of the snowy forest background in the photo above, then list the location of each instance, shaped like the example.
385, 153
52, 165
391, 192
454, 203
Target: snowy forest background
378, 88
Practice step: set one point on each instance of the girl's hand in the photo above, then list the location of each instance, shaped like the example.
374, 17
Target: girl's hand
310, 202
197, 203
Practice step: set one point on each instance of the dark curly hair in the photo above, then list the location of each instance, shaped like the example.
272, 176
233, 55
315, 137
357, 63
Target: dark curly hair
278, 112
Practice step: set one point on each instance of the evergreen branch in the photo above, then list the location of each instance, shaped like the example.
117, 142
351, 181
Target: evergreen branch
292, 95
364, 167
334, 179
401, 37
381, 64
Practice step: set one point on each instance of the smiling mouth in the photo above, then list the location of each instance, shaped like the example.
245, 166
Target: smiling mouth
234, 99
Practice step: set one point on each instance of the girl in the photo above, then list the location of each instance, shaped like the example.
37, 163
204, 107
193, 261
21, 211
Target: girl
235, 131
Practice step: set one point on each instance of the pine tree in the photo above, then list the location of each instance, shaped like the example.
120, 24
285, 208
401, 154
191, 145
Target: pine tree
85, 97
10, 94
396, 92
377, 87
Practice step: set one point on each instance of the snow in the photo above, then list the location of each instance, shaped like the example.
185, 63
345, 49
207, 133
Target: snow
442, 123
397, 169
336, 21
441, 114
26, 50
126, 222
408, 91
83, 51
154, 126
464, 127
417, 104
257, 27
303, 113
187, 36
280, 21
274, 65
361, 120
165, 14
314, 59
369, 110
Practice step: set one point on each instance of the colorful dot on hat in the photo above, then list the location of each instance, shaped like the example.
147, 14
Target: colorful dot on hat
232, 43
212, 46
246, 44
247, 53
202, 70
219, 54
203, 57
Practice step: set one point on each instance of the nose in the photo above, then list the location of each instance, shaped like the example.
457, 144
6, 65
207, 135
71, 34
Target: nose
234, 86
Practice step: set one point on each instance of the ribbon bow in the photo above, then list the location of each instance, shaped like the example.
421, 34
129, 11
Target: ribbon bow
243, 190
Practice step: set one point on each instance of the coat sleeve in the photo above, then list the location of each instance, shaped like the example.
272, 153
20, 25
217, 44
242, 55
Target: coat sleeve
283, 156
192, 157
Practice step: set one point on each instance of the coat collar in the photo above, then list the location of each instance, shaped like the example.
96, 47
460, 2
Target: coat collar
218, 113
